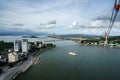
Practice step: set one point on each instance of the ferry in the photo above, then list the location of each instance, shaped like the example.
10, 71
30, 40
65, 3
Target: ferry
72, 53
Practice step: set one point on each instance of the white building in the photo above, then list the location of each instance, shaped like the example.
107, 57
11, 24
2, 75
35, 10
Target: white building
12, 57
17, 45
25, 46
40, 45
29, 46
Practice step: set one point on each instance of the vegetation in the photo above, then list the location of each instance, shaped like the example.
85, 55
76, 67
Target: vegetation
50, 44
112, 39
90, 41
42, 49
5, 45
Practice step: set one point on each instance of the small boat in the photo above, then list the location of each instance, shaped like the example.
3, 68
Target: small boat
72, 53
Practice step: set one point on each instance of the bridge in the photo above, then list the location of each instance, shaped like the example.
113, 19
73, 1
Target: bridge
113, 17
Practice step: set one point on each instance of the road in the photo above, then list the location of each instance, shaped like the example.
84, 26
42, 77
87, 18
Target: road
10, 72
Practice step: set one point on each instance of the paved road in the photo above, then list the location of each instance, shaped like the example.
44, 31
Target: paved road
7, 74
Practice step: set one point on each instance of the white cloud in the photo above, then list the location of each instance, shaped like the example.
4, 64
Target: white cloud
32, 13
74, 25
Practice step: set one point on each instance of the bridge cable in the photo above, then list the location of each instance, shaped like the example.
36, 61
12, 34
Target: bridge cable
112, 19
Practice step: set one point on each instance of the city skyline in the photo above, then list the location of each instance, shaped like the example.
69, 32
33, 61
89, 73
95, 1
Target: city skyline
56, 16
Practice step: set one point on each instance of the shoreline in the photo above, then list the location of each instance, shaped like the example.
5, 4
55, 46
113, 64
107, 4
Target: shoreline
13, 73
32, 62
108, 46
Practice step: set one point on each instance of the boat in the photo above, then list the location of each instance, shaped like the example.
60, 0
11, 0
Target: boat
72, 53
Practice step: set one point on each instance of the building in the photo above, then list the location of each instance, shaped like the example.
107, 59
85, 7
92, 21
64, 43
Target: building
29, 46
12, 57
25, 46
3, 58
38, 44
17, 45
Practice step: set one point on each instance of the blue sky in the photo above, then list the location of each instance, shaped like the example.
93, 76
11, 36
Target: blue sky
56, 16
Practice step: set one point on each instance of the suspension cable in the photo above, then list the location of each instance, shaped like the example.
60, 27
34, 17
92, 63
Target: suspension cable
113, 17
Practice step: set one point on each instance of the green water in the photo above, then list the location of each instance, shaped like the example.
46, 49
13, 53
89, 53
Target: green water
91, 63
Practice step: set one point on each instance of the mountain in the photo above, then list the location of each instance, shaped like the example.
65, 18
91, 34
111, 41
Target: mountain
18, 33
79, 35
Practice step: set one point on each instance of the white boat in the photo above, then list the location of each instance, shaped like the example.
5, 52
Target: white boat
72, 53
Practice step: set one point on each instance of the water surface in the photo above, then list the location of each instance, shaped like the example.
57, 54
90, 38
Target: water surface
91, 63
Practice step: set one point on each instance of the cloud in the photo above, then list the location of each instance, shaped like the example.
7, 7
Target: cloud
52, 22
97, 24
102, 22
32, 13
52, 15
18, 24
96, 27
74, 25
48, 25
107, 17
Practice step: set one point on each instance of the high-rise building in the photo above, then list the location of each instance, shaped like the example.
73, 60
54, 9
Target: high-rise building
17, 45
29, 46
25, 46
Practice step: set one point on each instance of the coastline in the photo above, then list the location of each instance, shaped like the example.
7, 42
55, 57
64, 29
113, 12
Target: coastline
100, 45
13, 73
34, 60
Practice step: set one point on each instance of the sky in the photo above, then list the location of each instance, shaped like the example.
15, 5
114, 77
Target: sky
56, 16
